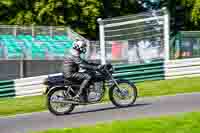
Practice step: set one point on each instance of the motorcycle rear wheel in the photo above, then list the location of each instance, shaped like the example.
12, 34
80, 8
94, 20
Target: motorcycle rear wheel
53, 98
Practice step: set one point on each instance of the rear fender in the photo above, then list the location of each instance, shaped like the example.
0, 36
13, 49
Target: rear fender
49, 89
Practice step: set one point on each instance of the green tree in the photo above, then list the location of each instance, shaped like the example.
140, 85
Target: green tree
17, 12
4, 6
82, 16
192, 8
49, 12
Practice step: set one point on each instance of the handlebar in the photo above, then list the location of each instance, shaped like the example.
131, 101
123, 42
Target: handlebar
106, 67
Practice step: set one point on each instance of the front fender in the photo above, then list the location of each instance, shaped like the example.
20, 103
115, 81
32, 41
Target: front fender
122, 81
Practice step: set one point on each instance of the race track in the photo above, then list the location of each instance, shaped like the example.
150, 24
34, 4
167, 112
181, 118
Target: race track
92, 114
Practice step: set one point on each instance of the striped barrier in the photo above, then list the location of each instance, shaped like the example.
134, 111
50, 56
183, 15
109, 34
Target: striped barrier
182, 68
7, 89
29, 86
22, 87
139, 73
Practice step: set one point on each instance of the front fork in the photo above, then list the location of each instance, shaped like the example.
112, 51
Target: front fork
119, 90
115, 82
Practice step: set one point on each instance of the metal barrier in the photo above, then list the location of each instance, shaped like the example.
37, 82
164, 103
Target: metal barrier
182, 68
29, 86
39, 30
22, 87
143, 72
7, 88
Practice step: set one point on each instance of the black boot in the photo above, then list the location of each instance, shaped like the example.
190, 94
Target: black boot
79, 96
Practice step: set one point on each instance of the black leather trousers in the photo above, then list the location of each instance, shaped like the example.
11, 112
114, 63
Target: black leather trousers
80, 76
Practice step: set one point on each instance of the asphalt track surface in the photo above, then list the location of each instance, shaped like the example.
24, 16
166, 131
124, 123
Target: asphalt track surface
92, 114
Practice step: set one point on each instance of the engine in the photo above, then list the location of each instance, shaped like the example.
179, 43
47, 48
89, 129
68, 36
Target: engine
96, 92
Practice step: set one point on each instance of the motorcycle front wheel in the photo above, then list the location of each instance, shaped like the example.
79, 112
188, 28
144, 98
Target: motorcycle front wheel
123, 96
56, 104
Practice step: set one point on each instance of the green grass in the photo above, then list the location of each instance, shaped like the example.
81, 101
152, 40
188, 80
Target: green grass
150, 88
182, 123
168, 87
13, 106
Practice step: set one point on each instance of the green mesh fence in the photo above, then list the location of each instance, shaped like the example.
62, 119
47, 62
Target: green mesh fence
186, 44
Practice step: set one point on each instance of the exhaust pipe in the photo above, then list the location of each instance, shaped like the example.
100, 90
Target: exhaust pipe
68, 102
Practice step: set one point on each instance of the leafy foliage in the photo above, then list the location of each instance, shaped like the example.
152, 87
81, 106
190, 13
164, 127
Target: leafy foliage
192, 8
81, 15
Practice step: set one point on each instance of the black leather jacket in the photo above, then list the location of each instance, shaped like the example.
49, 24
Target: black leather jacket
72, 63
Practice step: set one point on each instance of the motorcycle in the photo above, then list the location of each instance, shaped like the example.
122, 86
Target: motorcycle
60, 92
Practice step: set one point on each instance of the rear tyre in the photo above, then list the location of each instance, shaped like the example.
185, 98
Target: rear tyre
127, 97
56, 107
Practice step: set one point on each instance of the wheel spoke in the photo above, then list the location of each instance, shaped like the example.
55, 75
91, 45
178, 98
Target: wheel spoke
124, 96
55, 104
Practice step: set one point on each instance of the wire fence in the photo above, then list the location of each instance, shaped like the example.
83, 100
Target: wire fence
135, 39
39, 30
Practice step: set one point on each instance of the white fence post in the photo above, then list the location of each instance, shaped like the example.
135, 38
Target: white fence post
166, 34
15, 30
102, 41
33, 31
51, 31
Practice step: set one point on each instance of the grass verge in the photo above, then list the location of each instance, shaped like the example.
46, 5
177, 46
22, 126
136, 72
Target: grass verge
14, 106
182, 123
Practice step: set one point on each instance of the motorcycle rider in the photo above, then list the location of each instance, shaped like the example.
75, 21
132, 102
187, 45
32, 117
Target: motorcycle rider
72, 64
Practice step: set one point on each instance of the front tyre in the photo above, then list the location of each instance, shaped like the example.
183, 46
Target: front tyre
124, 96
55, 102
